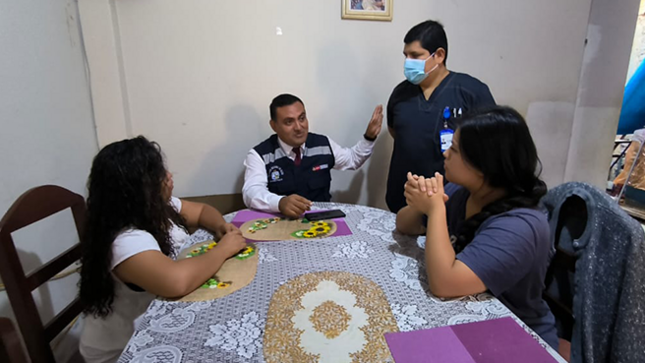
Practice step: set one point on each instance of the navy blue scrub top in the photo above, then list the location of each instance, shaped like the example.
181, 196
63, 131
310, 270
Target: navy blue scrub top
417, 123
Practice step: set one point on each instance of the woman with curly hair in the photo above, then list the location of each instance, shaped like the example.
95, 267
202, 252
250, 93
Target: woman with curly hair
484, 230
133, 230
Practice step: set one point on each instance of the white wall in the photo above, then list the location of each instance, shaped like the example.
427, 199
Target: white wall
198, 75
638, 46
600, 93
47, 128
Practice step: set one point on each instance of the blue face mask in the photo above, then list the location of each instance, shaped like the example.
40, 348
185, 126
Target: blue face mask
415, 69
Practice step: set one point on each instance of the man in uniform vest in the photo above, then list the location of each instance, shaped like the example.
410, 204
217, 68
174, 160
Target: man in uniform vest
292, 168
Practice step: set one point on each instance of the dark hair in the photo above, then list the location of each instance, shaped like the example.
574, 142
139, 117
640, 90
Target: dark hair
125, 191
282, 100
431, 35
497, 142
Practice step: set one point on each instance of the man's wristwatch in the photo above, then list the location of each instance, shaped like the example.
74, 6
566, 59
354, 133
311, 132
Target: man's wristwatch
369, 138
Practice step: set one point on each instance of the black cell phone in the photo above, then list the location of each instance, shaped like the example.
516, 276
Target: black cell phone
328, 214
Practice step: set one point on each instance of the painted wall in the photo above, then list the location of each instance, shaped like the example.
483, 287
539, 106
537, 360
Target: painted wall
197, 76
600, 93
638, 46
47, 133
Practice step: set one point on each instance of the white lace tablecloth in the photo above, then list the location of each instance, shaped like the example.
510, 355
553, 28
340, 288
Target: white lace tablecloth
230, 329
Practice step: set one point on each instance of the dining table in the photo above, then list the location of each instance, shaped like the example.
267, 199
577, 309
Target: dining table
232, 328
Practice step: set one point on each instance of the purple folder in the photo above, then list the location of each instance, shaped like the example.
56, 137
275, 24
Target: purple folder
491, 341
243, 216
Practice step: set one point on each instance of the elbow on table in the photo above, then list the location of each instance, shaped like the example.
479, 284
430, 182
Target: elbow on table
404, 226
404, 230
178, 286
442, 289
441, 293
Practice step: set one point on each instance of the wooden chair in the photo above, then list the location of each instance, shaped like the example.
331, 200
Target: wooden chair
10, 348
559, 282
34, 205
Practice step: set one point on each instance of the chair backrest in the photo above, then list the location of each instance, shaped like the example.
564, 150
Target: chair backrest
10, 348
34, 205
559, 283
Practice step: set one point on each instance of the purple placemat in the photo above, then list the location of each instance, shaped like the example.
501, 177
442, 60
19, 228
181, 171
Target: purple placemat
499, 340
243, 216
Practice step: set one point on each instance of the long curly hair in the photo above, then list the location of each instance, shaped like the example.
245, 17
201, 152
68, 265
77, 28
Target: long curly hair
126, 191
497, 142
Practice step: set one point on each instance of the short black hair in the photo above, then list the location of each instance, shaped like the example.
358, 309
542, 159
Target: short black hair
431, 35
282, 100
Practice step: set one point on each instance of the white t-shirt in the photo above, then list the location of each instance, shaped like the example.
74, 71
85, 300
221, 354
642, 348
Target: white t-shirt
103, 339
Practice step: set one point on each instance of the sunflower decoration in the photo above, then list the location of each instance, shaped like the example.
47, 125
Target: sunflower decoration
260, 224
200, 250
310, 234
246, 253
210, 284
299, 234
320, 230
223, 285
195, 252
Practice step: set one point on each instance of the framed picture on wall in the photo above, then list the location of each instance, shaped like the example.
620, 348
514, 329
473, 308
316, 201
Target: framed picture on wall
367, 9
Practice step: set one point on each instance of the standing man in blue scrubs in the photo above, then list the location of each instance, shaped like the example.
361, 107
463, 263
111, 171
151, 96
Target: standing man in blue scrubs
415, 111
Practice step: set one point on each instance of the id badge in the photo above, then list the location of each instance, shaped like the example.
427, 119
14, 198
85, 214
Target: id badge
445, 136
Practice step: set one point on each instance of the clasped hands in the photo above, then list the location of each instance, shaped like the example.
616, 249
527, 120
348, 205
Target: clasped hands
423, 194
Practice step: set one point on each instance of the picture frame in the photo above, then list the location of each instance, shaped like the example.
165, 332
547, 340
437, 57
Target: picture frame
380, 10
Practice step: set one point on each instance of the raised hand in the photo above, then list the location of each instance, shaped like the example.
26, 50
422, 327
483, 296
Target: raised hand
375, 124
